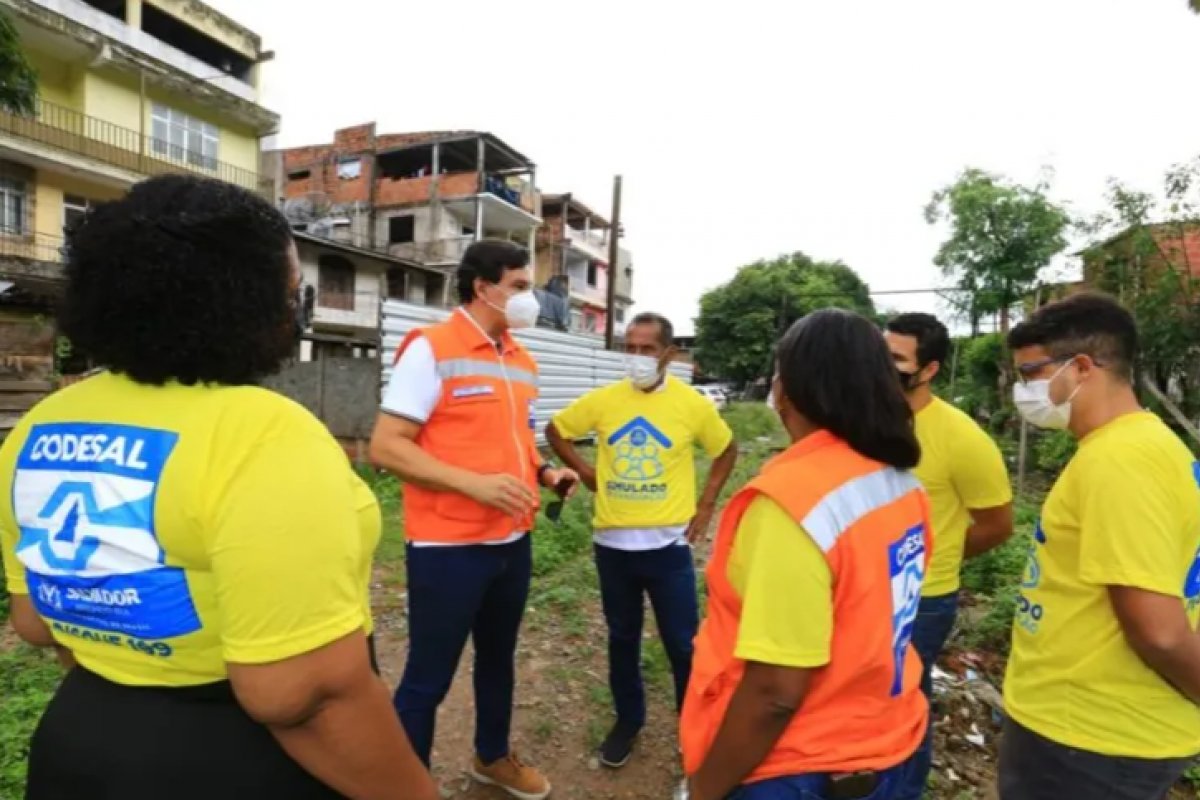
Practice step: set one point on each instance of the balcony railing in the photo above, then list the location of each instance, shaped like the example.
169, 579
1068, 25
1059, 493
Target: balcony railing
74, 132
594, 243
30, 246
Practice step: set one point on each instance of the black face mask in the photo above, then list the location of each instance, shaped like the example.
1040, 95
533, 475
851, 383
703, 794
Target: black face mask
908, 380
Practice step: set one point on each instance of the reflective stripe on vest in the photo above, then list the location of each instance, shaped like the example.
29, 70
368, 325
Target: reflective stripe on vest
864, 709
472, 368
839, 510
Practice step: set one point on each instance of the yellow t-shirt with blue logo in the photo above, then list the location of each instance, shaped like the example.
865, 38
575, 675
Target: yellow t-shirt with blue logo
162, 532
961, 468
1125, 512
645, 468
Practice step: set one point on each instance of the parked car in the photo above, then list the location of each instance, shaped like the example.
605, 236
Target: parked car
714, 393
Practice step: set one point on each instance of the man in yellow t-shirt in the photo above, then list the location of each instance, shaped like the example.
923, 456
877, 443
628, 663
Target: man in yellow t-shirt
970, 496
646, 510
1103, 682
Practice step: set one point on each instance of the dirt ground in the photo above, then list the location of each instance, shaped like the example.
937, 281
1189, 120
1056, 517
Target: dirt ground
562, 713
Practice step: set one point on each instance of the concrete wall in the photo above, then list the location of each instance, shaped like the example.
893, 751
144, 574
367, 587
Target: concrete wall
342, 392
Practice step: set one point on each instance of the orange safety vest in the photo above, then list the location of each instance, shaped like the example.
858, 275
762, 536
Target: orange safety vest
483, 422
864, 710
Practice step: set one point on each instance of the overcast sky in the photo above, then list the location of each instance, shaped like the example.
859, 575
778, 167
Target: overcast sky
765, 127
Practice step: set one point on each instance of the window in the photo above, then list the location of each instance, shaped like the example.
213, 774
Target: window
13, 202
592, 271
401, 230
620, 315
180, 137
397, 284
335, 283
300, 175
349, 169
74, 207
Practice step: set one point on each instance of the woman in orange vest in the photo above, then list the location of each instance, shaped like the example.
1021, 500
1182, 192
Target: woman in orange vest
804, 684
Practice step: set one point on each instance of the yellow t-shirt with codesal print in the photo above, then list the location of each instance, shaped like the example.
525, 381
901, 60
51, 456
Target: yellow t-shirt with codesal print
162, 532
1124, 512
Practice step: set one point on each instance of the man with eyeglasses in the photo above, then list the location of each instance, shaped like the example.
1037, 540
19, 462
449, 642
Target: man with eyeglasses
644, 478
1103, 685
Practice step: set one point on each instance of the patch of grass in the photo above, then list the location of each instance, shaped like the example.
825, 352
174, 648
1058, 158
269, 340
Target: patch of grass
753, 421
543, 729
28, 678
387, 491
656, 667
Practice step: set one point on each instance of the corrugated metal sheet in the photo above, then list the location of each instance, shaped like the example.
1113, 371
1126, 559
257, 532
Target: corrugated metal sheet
569, 364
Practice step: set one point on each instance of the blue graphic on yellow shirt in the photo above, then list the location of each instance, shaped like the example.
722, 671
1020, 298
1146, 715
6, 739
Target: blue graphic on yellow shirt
906, 574
84, 501
637, 450
1191, 585
1029, 613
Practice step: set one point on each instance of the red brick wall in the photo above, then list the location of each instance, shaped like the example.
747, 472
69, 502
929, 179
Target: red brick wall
419, 190
322, 163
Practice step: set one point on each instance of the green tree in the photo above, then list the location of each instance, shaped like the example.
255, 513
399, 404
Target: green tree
1001, 236
1145, 256
740, 322
18, 80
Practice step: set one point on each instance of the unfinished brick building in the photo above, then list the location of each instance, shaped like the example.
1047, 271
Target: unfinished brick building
422, 197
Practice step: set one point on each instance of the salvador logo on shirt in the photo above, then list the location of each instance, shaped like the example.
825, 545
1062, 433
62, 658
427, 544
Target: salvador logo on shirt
84, 501
637, 450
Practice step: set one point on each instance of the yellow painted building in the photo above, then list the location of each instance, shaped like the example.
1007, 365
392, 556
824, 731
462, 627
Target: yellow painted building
127, 89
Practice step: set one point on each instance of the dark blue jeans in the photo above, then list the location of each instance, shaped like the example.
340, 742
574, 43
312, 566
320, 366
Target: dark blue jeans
668, 576
816, 786
935, 620
1033, 767
456, 592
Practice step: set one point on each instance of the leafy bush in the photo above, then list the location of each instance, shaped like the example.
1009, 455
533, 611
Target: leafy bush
1053, 450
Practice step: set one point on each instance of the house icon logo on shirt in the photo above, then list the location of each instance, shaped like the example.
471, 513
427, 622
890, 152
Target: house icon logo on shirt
637, 447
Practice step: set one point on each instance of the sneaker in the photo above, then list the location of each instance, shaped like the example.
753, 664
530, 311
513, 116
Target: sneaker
618, 746
513, 776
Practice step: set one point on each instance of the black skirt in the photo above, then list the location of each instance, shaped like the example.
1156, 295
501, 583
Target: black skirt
100, 740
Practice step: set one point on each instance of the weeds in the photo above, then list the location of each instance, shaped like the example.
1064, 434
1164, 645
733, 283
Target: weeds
28, 678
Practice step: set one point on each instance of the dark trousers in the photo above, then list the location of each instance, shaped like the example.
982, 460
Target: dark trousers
815, 786
103, 741
456, 592
935, 620
1033, 767
668, 576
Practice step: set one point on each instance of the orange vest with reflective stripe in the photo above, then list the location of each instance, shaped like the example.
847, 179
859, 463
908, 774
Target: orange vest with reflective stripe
864, 709
483, 422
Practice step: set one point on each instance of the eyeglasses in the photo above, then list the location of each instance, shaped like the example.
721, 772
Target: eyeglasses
554, 511
1031, 368
1026, 371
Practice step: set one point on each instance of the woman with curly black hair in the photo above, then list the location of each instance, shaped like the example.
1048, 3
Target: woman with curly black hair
196, 548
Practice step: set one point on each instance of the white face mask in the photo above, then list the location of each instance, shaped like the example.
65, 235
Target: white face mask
643, 371
1035, 406
521, 310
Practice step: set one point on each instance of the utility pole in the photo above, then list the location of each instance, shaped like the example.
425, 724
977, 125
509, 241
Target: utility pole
614, 264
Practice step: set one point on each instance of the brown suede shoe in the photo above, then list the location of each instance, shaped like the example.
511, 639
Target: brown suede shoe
510, 774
